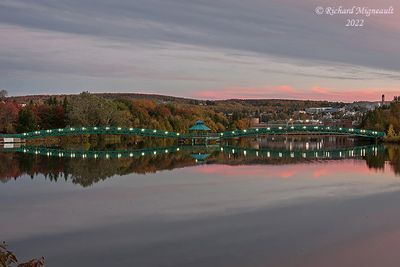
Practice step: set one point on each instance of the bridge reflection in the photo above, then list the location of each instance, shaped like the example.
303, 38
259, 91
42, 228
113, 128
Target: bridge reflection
88, 167
353, 152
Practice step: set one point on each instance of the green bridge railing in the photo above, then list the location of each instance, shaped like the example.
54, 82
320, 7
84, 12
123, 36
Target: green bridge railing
275, 130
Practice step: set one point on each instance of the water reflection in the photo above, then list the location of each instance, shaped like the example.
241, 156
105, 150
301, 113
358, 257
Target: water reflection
240, 204
88, 167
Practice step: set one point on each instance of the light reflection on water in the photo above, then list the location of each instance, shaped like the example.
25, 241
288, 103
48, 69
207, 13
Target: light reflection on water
221, 208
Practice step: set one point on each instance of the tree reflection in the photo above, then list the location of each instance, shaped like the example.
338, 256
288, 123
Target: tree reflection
88, 171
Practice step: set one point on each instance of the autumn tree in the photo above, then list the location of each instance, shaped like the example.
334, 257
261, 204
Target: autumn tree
391, 132
90, 110
8, 116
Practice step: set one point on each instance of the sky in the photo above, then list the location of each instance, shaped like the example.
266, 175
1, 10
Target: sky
206, 49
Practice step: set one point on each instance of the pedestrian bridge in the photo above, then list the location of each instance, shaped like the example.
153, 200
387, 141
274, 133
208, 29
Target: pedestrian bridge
251, 132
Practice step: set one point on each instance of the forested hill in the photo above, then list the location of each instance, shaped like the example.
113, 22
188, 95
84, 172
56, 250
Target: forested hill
165, 98
29, 113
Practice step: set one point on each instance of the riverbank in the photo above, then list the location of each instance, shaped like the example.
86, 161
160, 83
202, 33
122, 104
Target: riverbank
392, 140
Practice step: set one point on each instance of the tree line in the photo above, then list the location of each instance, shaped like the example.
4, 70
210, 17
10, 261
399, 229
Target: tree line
88, 110
385, 119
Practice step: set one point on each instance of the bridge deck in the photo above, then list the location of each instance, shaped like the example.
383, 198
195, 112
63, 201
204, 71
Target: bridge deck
278, 130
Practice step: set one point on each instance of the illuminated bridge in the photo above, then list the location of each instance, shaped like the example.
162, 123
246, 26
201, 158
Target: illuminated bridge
252, 132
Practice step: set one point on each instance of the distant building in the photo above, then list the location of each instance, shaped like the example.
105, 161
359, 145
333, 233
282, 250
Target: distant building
323, 110
346, 123
255, 121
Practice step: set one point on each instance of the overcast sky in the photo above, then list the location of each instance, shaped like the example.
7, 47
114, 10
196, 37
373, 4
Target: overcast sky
209, 49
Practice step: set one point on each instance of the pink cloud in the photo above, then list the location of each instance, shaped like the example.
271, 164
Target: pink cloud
290, 92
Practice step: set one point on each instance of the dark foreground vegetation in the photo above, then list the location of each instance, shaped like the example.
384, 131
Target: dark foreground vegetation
9, 259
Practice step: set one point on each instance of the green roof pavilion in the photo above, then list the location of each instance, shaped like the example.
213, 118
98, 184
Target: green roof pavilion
199, 126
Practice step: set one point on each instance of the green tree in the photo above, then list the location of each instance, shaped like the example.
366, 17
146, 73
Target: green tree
26, 121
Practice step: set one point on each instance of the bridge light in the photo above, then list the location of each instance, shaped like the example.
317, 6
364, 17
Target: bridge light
244, 130
119, 155
131, 155
177, 149
304, 127
292, 154
155, 152
257, 129
315, 127
142, 153
166, 132
24, 133
130, 129
94, 128
177, 134
340, 129
154, 131
268, 154
72, 129
107, 156
222, 149
233, 150
280, 128
83, 128
245, 152
280, 154
166, 150
119, 128
221, 134
292, 127
142, 130
268, 128
95, 156
328, 128
107, 128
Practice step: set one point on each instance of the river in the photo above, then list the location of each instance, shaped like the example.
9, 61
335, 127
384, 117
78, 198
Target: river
266, 204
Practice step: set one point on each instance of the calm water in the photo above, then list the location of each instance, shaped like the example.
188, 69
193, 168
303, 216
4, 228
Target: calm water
259, 205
